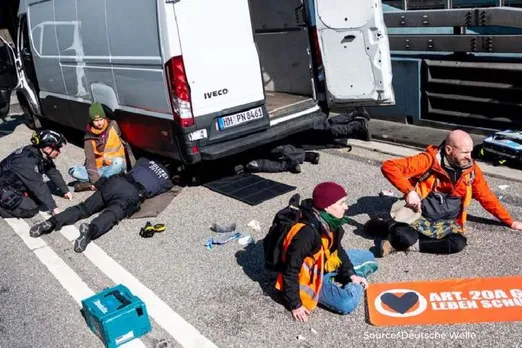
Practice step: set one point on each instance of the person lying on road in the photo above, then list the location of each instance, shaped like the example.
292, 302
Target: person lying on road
316, 269
116, 197
438, 185
21, 176
104, 150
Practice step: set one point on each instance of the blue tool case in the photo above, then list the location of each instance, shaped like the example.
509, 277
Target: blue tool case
116, 316
504, 145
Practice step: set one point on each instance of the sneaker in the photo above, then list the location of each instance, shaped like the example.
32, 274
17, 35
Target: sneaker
80, 244
252, 166
312, 157
296, 169
42, 228
362, 132
366, 268
81, 186
386, 248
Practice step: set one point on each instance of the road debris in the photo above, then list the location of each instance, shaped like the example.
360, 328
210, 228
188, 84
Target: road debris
223, 228
387, 193
301, 338
255, 225
313, 331
222, 239
245, 240
503, 187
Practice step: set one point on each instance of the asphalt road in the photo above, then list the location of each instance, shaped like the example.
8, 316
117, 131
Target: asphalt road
224, 292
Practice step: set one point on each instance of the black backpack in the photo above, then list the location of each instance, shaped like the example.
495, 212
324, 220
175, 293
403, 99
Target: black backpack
284, 220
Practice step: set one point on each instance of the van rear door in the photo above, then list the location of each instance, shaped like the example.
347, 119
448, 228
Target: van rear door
354, 52
220, 56
8, 77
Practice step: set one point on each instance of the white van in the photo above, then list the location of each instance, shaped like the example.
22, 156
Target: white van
198, 80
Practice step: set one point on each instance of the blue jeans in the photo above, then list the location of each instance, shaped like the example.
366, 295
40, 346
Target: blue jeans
345, 299
80, 172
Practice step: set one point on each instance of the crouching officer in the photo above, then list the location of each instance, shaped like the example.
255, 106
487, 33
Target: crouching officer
21, 176
119, 196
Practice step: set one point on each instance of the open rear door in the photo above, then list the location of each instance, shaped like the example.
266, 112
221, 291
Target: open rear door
355, 52
8, 76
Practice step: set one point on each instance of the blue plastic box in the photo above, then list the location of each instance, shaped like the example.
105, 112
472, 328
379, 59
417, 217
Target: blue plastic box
116, 316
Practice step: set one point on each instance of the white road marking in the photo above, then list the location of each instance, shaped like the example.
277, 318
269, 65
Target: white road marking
70, 281
182, 331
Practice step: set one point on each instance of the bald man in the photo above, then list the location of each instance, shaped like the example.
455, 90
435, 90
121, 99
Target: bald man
439, 185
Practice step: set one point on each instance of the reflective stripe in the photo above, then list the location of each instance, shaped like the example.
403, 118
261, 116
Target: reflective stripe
309, 292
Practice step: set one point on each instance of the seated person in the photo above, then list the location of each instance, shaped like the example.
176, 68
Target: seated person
116, 197
315, 249
104, 150
438, 185
22, 186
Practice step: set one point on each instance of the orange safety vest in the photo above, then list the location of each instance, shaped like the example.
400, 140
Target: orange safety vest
312, 270
113, 148
424, 187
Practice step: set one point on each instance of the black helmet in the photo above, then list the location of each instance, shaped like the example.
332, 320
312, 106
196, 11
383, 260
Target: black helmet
46, 137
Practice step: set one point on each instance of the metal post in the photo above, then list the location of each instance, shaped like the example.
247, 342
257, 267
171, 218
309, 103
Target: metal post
405, 5
449, 4
500, 3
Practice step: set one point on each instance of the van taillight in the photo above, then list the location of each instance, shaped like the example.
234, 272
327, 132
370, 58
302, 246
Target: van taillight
179, 92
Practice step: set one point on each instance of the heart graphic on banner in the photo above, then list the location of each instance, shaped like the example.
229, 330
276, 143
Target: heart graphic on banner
400, 304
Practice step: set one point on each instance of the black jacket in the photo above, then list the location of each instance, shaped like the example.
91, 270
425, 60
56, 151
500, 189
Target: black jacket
306, 243
22, 171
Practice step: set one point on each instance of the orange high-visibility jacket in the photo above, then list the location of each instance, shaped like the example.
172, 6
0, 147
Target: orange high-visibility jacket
113, 148
404, 174
312, 270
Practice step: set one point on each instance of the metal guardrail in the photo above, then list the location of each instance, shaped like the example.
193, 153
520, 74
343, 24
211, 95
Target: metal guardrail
459, 20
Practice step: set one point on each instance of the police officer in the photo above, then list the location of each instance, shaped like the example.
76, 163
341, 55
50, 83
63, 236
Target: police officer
21, 176
119, 196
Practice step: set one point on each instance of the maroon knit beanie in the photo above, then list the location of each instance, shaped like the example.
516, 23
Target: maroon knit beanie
327, 193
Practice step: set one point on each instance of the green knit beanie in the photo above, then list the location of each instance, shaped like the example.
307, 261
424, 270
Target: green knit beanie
96, 111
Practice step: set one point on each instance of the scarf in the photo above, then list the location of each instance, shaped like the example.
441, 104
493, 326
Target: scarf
330, 223
95, 131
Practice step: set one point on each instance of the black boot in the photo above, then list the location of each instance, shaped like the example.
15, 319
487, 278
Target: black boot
378, 228
312, 157
361, 131
43, 228
80, 244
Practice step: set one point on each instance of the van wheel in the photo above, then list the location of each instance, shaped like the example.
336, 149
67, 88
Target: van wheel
31, 121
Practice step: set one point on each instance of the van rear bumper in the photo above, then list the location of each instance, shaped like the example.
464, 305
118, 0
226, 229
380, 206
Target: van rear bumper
272, 134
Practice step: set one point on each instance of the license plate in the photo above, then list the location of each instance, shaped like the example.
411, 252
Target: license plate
240, 118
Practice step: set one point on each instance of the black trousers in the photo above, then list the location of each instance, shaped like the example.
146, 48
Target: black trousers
283, 158
116, 199
26, 209
402, 236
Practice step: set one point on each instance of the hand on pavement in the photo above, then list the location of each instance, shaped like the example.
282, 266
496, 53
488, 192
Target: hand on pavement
56, 211
301, 314
359, 280
413, 201
68, 196
517, 225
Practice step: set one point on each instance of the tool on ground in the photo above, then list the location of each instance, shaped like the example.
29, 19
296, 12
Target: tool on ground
149, 229
116, 316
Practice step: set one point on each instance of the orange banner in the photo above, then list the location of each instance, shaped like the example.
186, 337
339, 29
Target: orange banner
446, 301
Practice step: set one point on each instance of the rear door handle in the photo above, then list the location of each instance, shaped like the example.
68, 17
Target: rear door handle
303, 15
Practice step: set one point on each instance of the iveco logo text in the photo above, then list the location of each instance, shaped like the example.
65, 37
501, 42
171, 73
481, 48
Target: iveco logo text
217, 93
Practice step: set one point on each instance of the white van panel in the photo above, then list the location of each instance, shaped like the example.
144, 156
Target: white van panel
219, 54
355, 51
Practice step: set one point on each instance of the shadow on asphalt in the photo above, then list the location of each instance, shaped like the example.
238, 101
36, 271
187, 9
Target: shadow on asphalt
251, 259
7, 126
374, 206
